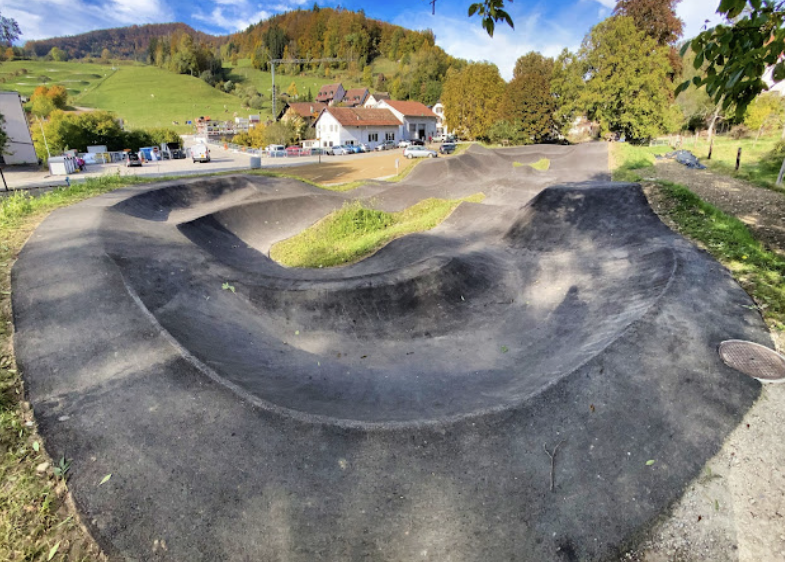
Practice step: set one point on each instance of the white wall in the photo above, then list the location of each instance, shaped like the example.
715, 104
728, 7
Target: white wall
20, 144
332, 133
426, 123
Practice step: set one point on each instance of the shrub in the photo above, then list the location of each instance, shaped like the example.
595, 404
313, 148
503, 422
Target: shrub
739, 132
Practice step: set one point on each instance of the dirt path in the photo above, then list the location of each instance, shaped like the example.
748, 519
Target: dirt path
736, 510
763, 210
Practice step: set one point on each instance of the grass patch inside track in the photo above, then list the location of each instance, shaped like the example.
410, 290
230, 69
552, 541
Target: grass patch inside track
542, 165
355, 232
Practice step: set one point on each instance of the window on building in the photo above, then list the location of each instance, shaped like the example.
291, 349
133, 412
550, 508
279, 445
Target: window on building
412, 128
350, 142
373, 137
389, 136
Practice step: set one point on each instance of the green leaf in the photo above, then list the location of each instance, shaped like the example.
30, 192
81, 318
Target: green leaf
504, 349
105, 479
5, 292
650, 462
227, 287
473, 9
53, 551
36, 446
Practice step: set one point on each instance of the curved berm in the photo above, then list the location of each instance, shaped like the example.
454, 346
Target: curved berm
393, 409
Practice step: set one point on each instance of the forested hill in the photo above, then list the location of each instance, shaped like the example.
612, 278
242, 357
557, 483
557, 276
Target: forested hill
131, 42
327, 33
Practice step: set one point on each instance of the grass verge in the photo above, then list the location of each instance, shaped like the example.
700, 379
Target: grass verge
37, 522
356, 231
758, 270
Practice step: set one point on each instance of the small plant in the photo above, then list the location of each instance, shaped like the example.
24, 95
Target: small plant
227, 287
62, 468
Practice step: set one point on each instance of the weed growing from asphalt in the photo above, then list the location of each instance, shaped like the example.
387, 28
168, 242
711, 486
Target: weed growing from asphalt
356, 231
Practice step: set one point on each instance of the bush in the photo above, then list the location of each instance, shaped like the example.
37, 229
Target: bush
739, 132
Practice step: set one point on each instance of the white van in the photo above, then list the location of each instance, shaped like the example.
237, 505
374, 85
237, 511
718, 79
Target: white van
200, 152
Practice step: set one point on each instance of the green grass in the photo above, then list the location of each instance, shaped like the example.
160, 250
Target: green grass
755, 167
75, 77
356, 231
383, 65
760, 271
147, 96
542, 165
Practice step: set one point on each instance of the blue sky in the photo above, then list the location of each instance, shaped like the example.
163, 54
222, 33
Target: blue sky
546, 26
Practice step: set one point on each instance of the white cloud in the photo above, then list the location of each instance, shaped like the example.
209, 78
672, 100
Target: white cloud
54, 18
235, 20
695, 13
465, 38
610, 4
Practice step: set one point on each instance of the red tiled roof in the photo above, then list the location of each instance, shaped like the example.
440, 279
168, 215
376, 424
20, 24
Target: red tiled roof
361, 116
307, 109
355, 95
410, 108
327, 91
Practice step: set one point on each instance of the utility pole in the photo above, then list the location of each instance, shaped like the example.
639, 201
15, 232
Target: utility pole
273, 62
46, 144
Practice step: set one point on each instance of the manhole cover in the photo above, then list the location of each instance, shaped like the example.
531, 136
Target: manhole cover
754, 360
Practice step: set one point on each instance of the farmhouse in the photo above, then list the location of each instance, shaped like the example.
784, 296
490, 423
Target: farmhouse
355, 97
308, 111
356, 125
374, 99
417, 121
20, 148
331, 93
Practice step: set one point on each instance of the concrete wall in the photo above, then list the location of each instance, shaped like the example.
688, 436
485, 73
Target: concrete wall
20, 148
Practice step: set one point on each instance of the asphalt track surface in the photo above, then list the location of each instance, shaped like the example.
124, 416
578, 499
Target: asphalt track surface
395, 409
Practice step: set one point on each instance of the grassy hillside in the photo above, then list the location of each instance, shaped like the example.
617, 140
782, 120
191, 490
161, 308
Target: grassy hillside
75, 77
246, 75
146, 96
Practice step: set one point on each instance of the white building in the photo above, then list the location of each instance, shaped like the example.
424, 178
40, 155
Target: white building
20, 149
356, 125
417, 121
374, 99
441, 120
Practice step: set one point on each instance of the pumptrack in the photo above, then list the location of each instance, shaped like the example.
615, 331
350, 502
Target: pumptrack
392, 409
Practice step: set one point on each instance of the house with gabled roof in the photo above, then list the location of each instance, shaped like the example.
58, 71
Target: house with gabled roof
308, 111
356, 125
417, 120
355, 97
374, 99
331, 93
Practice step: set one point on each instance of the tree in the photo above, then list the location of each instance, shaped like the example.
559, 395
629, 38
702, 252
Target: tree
566, 88
658, 20
279, 133
738, 55
106, 54
528, 104
9, 31
471, 98
767, 110
626, 89
292, 90
57, 54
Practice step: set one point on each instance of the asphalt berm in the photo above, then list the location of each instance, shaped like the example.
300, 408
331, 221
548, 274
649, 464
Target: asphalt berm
395, 409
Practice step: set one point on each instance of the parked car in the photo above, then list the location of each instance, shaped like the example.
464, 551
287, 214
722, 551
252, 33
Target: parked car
364, 147
132, 160
416, 142
295, 151
353, 148
403, 143
419, 152
447, 148
340, 149
386, 145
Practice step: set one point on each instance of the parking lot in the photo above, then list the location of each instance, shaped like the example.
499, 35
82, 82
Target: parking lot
324, 169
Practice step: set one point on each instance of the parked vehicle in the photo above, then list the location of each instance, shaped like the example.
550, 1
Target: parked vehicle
172, 151
276, 150
297, 151
403, 143
364, 147
386, 145
447, 148
416, 142
419, 152
132, 160
200, 153
340, 149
